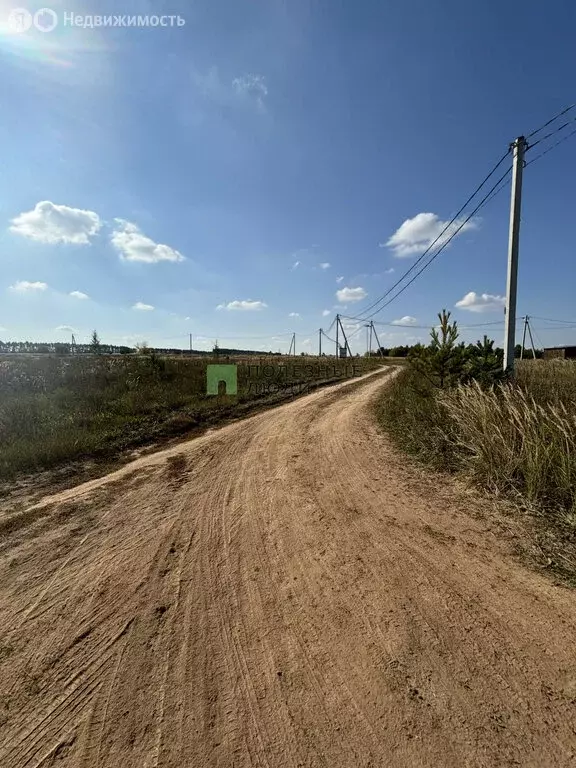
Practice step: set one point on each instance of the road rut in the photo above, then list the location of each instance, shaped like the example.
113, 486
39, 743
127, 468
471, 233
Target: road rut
280, 592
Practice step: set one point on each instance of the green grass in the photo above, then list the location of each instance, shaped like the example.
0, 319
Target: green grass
53, 410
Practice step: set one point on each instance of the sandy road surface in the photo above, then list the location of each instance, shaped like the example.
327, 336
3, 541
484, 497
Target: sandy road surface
281, 592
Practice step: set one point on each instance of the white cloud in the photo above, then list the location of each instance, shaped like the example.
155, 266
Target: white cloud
350, 294
296, 265
406, 320
485, 302
294, 314
418, 233
339, 279
247, 305
325, 265
389, 271
326, 312
51, 223
66, 328
79, 295
133, 245
251, 87
23, 286
143, 307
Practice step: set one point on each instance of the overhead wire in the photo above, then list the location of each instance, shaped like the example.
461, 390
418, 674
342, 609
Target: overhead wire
553, 146
552, 133
442, 247
551, 320
451, 223
549, 122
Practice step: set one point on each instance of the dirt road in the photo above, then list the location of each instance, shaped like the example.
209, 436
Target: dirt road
280, 592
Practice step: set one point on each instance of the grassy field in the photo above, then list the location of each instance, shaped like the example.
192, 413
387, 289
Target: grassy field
516, 439
53, 409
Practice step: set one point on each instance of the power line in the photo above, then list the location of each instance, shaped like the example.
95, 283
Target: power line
442, 247
551, 320
557, 327
556, 143
331, 326
439, 237
462, 327
552, 133
497, 191
548, 122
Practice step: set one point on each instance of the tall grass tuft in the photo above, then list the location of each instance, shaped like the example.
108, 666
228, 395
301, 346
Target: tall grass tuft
453, 407
511, 444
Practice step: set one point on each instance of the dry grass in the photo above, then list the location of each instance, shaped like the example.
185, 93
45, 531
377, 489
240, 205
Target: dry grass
517, 439
53, 410
511, 444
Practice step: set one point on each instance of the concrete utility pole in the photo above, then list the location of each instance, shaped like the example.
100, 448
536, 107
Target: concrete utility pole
524, 338
519, 148
377, 340
532, 341
320, 343
337, 339
347, 350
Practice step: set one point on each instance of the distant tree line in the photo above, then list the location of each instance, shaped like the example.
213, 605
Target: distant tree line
96, 347
59, 348
404, 351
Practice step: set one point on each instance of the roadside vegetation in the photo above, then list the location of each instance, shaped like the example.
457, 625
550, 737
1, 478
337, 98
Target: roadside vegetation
56, 409
452, 407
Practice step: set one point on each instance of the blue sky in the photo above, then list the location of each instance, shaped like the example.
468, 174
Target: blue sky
230, 176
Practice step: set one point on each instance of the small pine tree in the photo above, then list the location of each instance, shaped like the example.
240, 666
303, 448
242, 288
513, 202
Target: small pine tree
95, 344
442, 362
445, 363
484, 364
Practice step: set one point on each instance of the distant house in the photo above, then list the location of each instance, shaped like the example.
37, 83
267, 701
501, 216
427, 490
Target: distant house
565, 353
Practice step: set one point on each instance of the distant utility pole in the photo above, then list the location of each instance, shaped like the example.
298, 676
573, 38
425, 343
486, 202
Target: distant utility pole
519, 148
320, 343
377, 339
368, 327
524, 338
190, 343
337, 339
531, 339
347, 350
